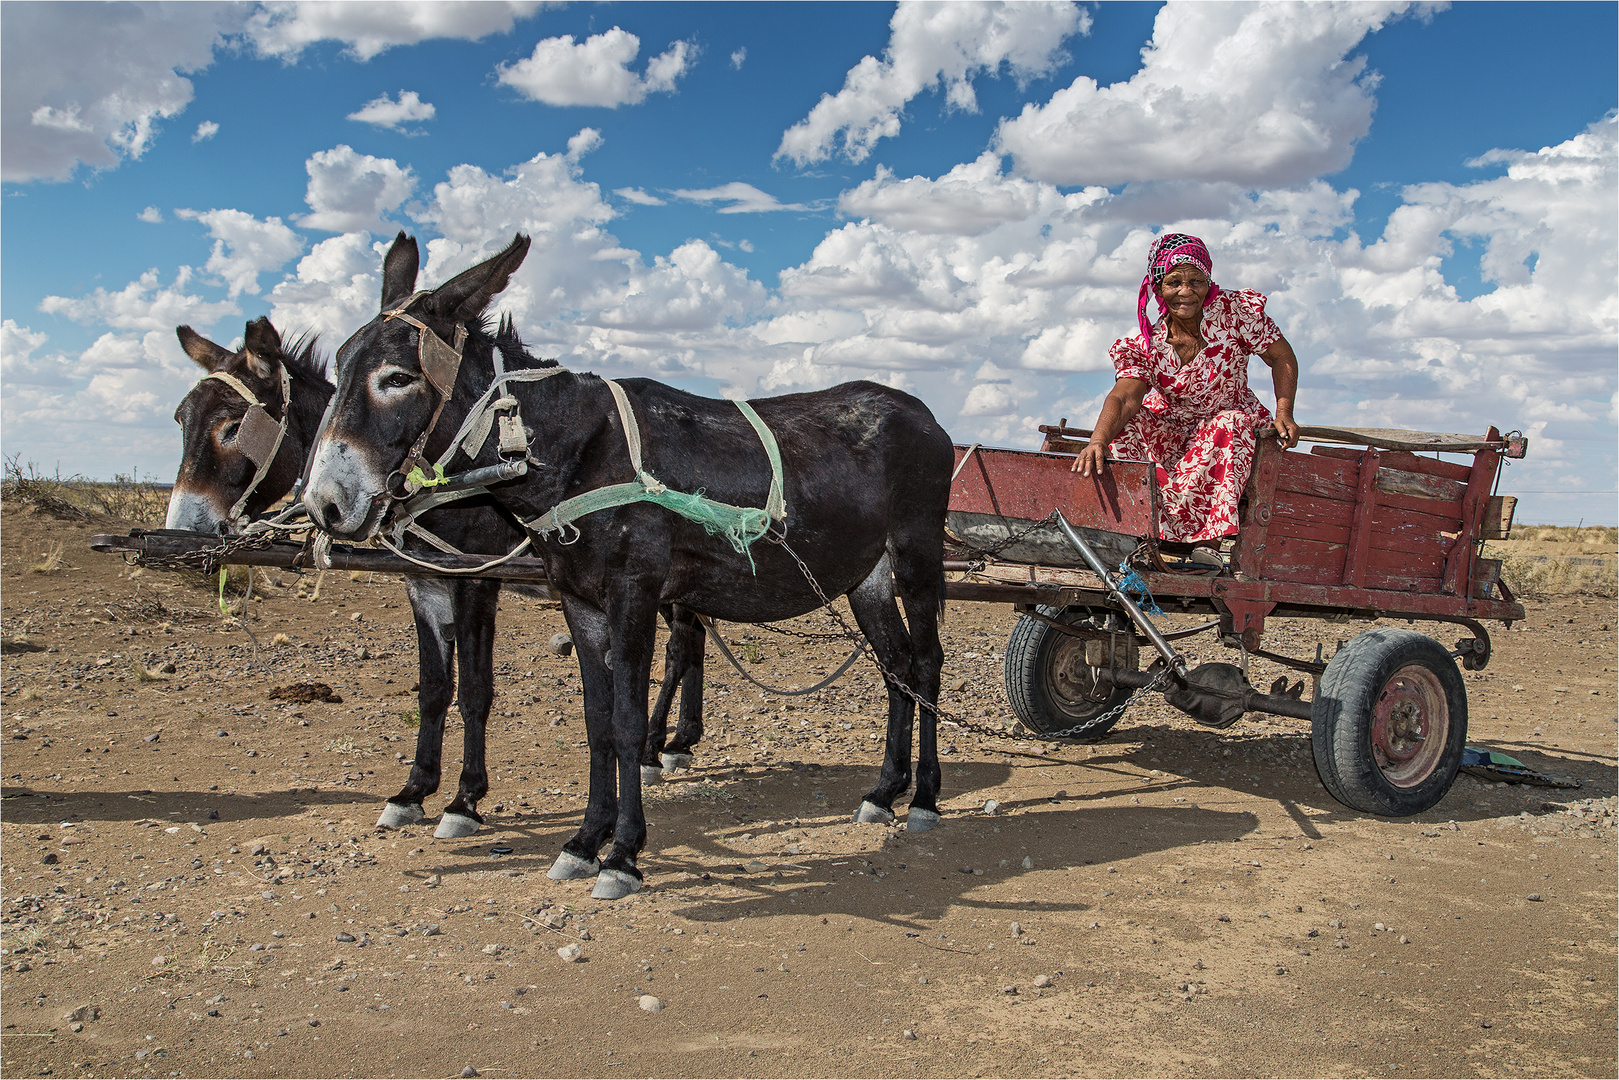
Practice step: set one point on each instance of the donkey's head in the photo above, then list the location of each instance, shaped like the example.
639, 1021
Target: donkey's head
235, 426
395, 377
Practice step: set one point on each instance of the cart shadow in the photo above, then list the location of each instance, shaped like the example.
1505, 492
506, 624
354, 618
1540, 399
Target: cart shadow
1280, 765
23, 804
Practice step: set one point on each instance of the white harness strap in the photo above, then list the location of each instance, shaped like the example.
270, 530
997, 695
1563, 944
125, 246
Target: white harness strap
253, 432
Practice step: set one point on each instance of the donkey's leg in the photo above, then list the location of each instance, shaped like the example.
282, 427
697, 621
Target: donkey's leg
634, 619
657, 728
475, 606
872, 602
589, 627
919, 577
686, 648
434, 608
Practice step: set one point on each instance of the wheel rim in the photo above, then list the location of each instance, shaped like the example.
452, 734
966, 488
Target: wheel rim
1071, 682
1410, 726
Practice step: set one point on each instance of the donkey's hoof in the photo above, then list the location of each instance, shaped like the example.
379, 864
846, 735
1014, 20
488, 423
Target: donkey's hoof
396, 815
872, 814
919, 820
651, 774
613, 884
676, 761
451, 826
569, 867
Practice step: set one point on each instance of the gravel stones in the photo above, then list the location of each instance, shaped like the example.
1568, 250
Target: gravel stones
571, 954
649, 1003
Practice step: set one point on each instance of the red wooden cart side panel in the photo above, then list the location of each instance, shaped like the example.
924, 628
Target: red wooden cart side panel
1325, 478
1360, 532
1294, 511
1030, 485
1442, 508
1312, 562
1258, 510
1458, 572
1401, 459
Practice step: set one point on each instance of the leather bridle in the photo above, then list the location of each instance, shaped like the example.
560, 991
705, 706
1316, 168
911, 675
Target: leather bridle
258, 437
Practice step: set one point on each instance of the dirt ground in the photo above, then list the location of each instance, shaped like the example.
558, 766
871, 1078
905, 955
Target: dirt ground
193, 884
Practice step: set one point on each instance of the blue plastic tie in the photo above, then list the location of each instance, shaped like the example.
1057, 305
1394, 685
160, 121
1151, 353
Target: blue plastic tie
1132, 583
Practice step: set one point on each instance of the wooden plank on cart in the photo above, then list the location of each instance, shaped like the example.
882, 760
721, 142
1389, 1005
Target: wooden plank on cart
1027, 485
1396, 439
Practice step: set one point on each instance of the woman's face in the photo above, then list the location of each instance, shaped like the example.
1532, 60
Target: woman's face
1183, 291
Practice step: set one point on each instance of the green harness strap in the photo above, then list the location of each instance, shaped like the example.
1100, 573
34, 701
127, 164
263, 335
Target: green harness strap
741, 526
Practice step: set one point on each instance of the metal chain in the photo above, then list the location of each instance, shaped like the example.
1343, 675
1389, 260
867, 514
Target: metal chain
774, 629
208, 560
854, 635
978, 554
1112, 714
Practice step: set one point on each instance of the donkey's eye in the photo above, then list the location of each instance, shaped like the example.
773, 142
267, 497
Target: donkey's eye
228, 432
398, 380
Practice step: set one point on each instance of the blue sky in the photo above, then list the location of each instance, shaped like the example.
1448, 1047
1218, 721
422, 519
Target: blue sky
752, 199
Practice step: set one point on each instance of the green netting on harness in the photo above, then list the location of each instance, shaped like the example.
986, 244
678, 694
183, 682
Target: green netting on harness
741, 526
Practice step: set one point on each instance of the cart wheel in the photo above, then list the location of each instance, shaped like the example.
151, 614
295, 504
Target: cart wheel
1049, 685
1389, 723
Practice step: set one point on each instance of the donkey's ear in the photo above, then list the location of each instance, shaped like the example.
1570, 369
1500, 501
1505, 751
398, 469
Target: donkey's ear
399, 271
469, 292
262, 345
210, 356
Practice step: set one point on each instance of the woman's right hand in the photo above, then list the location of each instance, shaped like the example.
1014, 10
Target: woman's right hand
1092, 461
1122, 403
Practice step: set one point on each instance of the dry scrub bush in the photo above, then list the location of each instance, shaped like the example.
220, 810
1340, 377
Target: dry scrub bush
75, 497
1540, 580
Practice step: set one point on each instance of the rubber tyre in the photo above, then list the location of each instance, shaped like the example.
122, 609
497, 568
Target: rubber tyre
1046, 684
1380, 688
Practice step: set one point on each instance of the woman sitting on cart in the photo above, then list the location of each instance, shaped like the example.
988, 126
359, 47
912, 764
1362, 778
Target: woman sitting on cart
1182, 397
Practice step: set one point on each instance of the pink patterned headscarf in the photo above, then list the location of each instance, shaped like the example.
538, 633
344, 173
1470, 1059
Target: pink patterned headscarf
1170, 250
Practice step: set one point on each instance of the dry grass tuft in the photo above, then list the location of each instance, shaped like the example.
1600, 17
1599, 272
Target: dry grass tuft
145, 674
50, 560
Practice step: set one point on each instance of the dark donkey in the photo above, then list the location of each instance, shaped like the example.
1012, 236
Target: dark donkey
867, 477
455, 617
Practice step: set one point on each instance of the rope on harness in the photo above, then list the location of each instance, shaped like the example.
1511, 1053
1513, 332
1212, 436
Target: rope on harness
713, 632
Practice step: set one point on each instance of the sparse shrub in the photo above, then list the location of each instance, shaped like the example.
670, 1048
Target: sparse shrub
50, 560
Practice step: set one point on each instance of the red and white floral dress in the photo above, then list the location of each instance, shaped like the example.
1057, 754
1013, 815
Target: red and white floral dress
1197, 421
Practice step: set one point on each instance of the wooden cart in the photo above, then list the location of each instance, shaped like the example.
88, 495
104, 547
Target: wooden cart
1366, 530
1362, 526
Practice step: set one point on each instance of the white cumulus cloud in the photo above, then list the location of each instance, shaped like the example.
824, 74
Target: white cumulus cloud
143, 304
245, 247
349, 191
205, 130
1261, 94
151, 215
284, 28
933, 45
334, 290
386, 112
595, 71
739, 198
638, 197
94, 90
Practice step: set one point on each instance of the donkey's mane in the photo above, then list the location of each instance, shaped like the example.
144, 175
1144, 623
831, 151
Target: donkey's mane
304, 361
512, 350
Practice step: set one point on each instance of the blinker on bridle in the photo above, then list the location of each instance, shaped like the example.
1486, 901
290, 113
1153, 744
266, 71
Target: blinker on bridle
440, 362
257, 436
